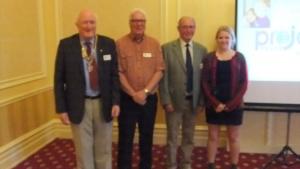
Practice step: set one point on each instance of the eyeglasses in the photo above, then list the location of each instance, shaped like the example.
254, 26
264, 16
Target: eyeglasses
187, 27
137, 20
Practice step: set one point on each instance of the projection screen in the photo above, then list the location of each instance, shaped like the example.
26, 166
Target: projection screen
268, 34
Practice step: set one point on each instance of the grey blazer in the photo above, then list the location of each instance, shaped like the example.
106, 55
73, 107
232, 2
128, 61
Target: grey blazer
172, 87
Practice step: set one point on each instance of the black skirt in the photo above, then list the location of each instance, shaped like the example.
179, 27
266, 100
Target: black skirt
224, 118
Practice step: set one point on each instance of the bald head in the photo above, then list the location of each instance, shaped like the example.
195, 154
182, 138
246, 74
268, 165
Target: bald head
186, 28
86, 24
137, 13
84, 14
185, 19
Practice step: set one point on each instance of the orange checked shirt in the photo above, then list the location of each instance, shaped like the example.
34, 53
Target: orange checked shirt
138, 62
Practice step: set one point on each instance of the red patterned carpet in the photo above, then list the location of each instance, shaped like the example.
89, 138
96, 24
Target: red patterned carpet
59, 154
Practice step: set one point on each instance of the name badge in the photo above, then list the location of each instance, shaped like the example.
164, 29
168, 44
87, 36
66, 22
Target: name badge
147, 55
107, 57
201, 65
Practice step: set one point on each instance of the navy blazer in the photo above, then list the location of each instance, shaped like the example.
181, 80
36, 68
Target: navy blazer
69, 80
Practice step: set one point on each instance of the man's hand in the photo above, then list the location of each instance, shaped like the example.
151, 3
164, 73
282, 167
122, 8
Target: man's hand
64, 118
169, 108
199, 109
115, 111
140, 97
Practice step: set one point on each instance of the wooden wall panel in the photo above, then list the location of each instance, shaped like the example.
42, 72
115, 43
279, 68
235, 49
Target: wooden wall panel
25, 115
21, 42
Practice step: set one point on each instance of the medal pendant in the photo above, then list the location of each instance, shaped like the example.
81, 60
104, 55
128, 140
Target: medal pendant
90, 68
88, 59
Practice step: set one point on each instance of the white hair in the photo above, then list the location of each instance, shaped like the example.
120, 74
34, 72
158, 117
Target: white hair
137, 10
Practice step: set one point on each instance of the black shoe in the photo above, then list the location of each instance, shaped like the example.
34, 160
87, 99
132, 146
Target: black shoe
234, 166
211, 166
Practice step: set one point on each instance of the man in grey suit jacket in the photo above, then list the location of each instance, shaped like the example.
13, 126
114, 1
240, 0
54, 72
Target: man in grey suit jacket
180, 91
86, 86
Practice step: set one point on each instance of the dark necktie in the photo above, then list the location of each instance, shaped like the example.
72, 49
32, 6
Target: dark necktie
189, 70
92, 67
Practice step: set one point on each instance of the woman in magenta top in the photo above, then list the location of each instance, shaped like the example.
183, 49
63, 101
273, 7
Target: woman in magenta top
224, 83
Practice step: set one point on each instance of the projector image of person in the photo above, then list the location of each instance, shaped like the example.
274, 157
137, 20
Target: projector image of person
256, 21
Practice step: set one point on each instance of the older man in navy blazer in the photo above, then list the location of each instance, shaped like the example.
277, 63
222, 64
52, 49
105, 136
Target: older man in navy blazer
87, 91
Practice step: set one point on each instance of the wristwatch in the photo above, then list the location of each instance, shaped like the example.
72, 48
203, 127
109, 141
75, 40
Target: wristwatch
146, 91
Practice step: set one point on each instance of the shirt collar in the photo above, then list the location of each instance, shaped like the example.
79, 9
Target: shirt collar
183, 43
136, 40
92, 41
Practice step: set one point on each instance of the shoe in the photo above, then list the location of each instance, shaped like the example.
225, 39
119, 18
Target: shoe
211, 166
234, 166
186, 166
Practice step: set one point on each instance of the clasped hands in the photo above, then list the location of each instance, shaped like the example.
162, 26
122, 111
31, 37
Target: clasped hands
140, 97
221, 107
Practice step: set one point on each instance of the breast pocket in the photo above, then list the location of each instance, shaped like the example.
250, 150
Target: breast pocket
149, 61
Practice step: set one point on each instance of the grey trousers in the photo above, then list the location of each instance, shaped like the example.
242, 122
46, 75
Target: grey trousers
185, 118
93, 138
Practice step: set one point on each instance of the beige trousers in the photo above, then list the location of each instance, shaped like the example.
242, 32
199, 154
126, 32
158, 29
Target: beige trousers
93, 138
186, 119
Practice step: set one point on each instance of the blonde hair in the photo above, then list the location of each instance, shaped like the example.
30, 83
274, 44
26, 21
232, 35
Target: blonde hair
228, 30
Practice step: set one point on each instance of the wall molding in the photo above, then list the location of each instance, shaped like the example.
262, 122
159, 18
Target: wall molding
178, 6
58, 19
160, 133
7, 83
24, 95
40, 8
164, 15
19, 149
269, 129
10, 82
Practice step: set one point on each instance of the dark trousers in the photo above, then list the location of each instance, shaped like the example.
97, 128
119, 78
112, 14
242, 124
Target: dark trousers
130, 115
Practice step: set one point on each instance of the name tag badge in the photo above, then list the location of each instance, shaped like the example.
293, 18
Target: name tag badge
107, 57
201, 65
147, 55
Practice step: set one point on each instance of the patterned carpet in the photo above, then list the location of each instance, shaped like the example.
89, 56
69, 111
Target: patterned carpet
59, 154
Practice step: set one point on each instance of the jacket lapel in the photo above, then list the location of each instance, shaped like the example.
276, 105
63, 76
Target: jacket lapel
99, 52
78, 55
196, 55
178, 52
